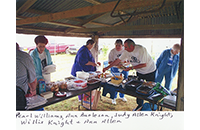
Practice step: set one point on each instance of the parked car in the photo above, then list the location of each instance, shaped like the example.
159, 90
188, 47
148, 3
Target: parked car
73, 50
54, 48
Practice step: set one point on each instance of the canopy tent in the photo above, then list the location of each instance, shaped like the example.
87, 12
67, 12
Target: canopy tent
105, 19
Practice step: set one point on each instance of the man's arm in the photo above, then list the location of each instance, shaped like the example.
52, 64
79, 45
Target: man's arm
31, 75
32, 87
91, 63
114, 63
136, 67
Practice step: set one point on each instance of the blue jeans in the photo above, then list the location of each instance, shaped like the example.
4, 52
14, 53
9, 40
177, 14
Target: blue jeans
125, 73
168, 78
121, 95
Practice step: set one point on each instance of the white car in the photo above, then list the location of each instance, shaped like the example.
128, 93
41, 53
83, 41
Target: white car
73, 49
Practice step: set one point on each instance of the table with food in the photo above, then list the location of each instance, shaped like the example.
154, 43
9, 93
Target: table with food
53, 92
152, 92
89, 83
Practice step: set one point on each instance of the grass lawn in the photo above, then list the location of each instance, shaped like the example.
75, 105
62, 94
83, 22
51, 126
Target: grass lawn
64, 64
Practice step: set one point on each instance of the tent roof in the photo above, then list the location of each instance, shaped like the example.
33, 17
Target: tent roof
105, 18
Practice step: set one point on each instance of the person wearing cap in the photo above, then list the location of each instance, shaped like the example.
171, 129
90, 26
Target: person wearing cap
41, 56
114, 54
140, 60
167, 65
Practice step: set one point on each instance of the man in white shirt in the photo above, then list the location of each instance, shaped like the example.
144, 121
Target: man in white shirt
141, 61
113, 55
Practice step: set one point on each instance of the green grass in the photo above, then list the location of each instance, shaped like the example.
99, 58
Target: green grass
64, 64
103, 105
66, 105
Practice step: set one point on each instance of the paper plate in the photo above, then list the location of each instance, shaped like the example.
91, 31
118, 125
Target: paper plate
49, 69
60, 94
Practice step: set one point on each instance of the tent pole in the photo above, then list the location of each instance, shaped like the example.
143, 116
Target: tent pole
95, 49
180, 89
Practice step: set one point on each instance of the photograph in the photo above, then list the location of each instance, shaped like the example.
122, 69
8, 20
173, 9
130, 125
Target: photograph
83, 64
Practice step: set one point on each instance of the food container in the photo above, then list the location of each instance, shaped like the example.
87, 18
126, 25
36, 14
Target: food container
149, 83
47, 95
130, 77
70, 85
80, 83
76, 84
144, 90
59, 85
55, 87
47, 77
93, 81
132, 84
63, 85
70, 78
82, 75
46, 72
92, 74
118, 81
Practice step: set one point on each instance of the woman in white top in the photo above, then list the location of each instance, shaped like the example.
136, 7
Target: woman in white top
113, 55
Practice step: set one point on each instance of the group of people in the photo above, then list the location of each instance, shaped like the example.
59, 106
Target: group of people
29, 70
29, 67
140, 60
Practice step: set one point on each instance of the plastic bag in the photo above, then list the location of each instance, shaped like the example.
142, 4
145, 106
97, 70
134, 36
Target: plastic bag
95, 99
